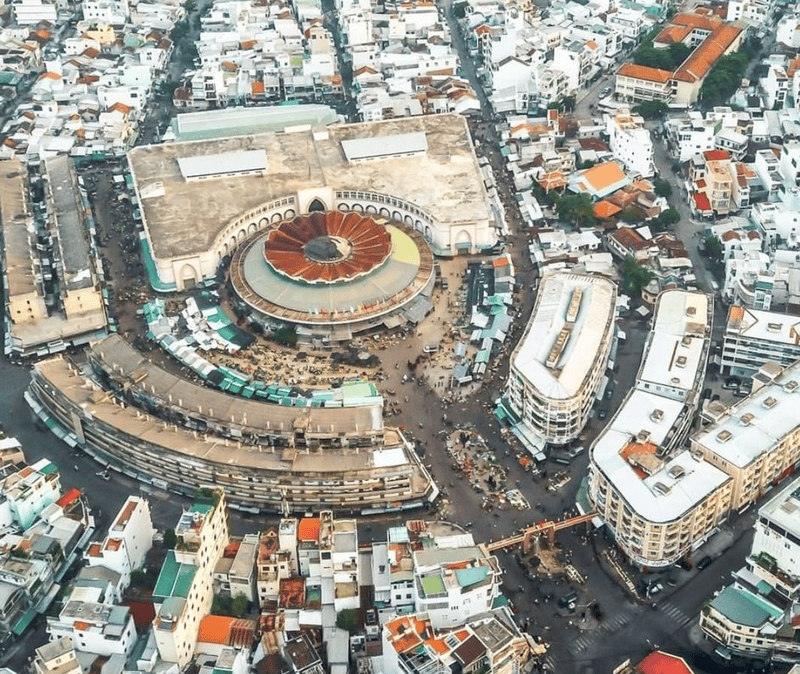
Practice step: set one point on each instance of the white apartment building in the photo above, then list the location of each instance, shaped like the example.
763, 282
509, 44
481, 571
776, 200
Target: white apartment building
756, 614
757, 441
690, 136
574, 59
492, 644
116, 12
30, 490
754, 337
790, 161
56, 657
775, 85
31, 12
754, 12
558, 364
94, 625
631, 143
659, 502
274, 562
184, 589
452, 585
129, 539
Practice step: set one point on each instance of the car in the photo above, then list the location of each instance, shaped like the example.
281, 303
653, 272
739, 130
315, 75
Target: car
704, 562
655, 588
602, 414
605, 91
570, 598
575, 451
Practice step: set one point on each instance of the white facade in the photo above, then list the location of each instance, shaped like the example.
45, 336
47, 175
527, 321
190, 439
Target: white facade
202, 533
631, 143
93, 625
558, 364
657, 500
30, 490
31, 12
754, 337
129, 539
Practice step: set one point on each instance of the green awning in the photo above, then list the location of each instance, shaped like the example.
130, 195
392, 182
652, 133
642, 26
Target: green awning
22, 624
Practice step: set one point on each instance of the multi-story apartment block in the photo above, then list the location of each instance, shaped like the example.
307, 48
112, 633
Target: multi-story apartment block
775, 85
767, 167
452, 585
31, 12
754, 12
558, 364
630, 142
690, 136
754, 337
184, 589
790, 161
30, 490
757, 441
273, 563
129, 539
733, 142
712, 183
575, 59
627, 22
757, 615
659, 501
56, 657
93, 624
639, 83
492, 644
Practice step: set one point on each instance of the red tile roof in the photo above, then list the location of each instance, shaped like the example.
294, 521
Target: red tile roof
604, 175
605, 209
644, 73
716, 155
701, 60
663, 663
69, 498
701, 201
308, 529
225, 631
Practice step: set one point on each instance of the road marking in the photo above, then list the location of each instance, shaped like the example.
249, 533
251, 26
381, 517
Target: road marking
676, 613
549, 663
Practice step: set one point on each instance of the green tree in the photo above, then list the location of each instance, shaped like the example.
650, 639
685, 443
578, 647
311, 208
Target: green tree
651, 109
662, 187
348, 620
631, 215
679, 52
286, 336
723, 80
635, 276
141, 580
170, 539
239, 606
713, 248
221, 604
669, 217
576, 209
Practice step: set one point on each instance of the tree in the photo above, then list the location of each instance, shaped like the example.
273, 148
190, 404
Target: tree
713, 248
679, 52
662, 187
631, 215
576, 209
170, 539
723, 80
239, 606
635, 276
141, 580
669, 217
348, 620
286, 336
651, 109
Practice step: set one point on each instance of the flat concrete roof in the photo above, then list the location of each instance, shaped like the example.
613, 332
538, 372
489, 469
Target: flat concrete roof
251, 416
183, 218
70, 230
757, 424
674, 354
673, 486
767, 326
226, 454
784, 508
592, 324
15, 220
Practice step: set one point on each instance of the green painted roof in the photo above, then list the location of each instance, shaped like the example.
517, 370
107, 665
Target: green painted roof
743, 607
175, 579
202, 508
471, 576
48, 469
433, 585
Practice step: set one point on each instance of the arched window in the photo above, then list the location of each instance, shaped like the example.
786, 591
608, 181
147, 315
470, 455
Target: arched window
316, 206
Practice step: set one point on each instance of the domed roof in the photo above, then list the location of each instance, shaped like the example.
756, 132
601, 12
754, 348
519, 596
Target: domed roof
327, 247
